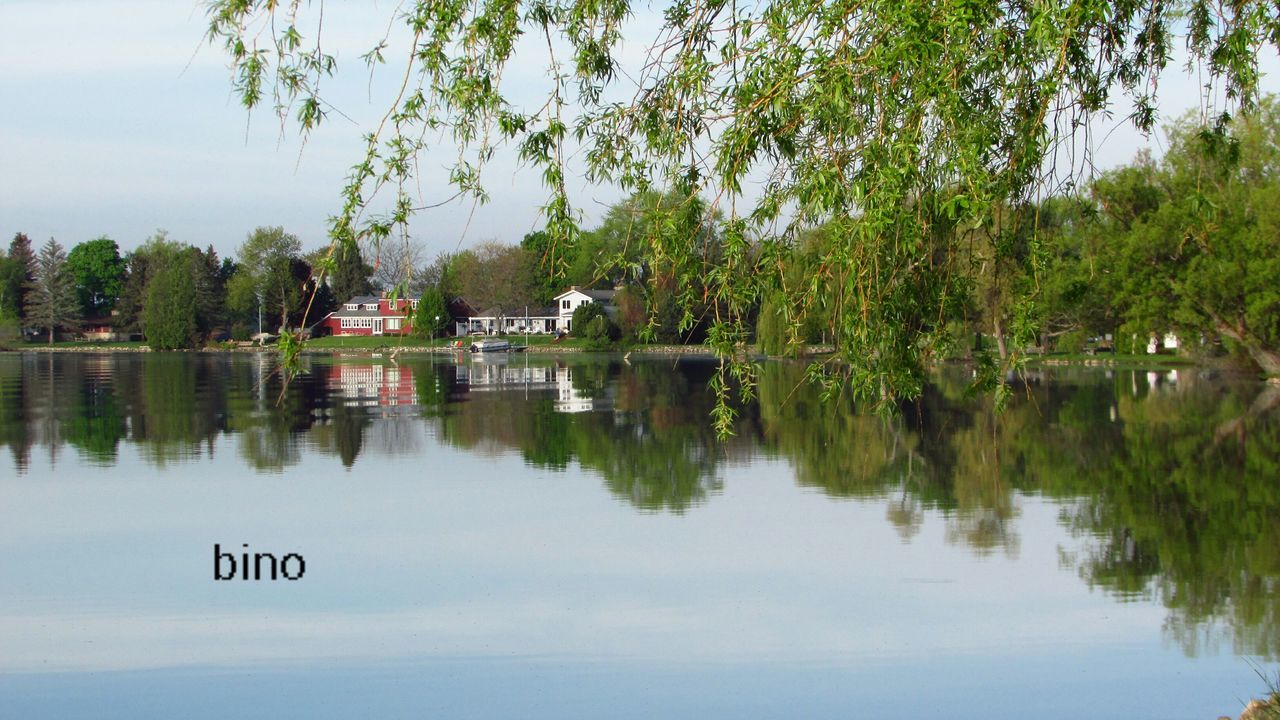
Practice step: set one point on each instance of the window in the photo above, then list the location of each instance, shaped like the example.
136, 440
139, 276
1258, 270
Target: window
351, 306
371, 306
565, 304
393, 323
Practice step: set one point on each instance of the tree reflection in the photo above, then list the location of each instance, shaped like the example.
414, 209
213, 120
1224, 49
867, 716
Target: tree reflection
14, 431
643, 429
1166, 481
1190, 519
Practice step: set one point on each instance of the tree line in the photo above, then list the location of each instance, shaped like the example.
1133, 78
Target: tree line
1187, 244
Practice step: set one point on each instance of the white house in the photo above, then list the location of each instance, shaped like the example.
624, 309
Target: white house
575, 297
1155, 344
497, 321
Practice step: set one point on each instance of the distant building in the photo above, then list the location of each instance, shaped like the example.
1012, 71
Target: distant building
573, 298
370, 315
499, 320
103, 328
1168, 343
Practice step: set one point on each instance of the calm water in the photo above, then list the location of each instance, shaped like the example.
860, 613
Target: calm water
537, 537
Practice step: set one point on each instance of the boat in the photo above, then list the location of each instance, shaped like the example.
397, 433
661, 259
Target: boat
493, 345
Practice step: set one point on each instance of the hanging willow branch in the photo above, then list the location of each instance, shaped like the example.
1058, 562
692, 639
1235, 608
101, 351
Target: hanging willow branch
896, 125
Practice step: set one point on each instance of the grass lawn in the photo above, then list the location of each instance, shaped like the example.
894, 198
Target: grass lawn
368, 342
372, 342
1142, 360
85, 344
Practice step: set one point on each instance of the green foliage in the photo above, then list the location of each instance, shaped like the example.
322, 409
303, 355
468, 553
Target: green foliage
350, 277
210, 287
1071, 342
13, 279
492, 275
771, 328
133, 296
592, 323
1197, 247
546, 265
17, 273
10, 327
632, 315
432, 315
893, 123
169, 313
268, 279
99, 272
51, 298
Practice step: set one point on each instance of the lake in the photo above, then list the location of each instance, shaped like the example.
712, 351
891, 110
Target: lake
533, 536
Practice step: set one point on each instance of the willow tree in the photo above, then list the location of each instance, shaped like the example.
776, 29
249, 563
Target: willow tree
879, 119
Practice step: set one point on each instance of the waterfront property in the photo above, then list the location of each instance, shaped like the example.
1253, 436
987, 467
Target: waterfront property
575, 297
370, 315
499, 321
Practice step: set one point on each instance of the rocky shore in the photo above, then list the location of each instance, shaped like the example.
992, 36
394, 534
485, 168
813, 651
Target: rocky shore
1268, 709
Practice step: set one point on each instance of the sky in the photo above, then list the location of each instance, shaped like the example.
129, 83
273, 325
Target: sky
118, 119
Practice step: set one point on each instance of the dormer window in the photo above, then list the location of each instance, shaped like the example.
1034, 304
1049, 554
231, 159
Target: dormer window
351, 306
371, 306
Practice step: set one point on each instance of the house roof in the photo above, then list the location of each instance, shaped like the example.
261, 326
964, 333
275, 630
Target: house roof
603, 295
362, 300
459, 307
340, 313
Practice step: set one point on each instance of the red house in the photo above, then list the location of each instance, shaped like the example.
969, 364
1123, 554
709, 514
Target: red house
369, 315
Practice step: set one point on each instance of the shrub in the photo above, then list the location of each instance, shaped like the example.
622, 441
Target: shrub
1072, 342
592, 323
169, 315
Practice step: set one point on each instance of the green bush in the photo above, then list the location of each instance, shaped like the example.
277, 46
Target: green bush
1072, 342
169, 315
591, 323
431, 305
771, 329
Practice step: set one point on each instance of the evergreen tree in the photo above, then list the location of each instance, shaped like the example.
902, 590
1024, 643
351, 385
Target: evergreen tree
431, 306
24, 259
11, 275
51, 300
210, 289
351, 274
133, 295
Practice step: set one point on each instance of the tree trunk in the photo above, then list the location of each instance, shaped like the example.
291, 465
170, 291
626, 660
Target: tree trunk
1268, 360
1267, 400
999, 332
284, 309
50, 335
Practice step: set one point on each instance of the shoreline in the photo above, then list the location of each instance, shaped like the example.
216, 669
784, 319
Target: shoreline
700, 351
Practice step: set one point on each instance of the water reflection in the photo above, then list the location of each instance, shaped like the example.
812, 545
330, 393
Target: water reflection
1167, 479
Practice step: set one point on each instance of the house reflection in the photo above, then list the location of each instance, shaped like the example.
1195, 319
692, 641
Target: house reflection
373, 384
496, 373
